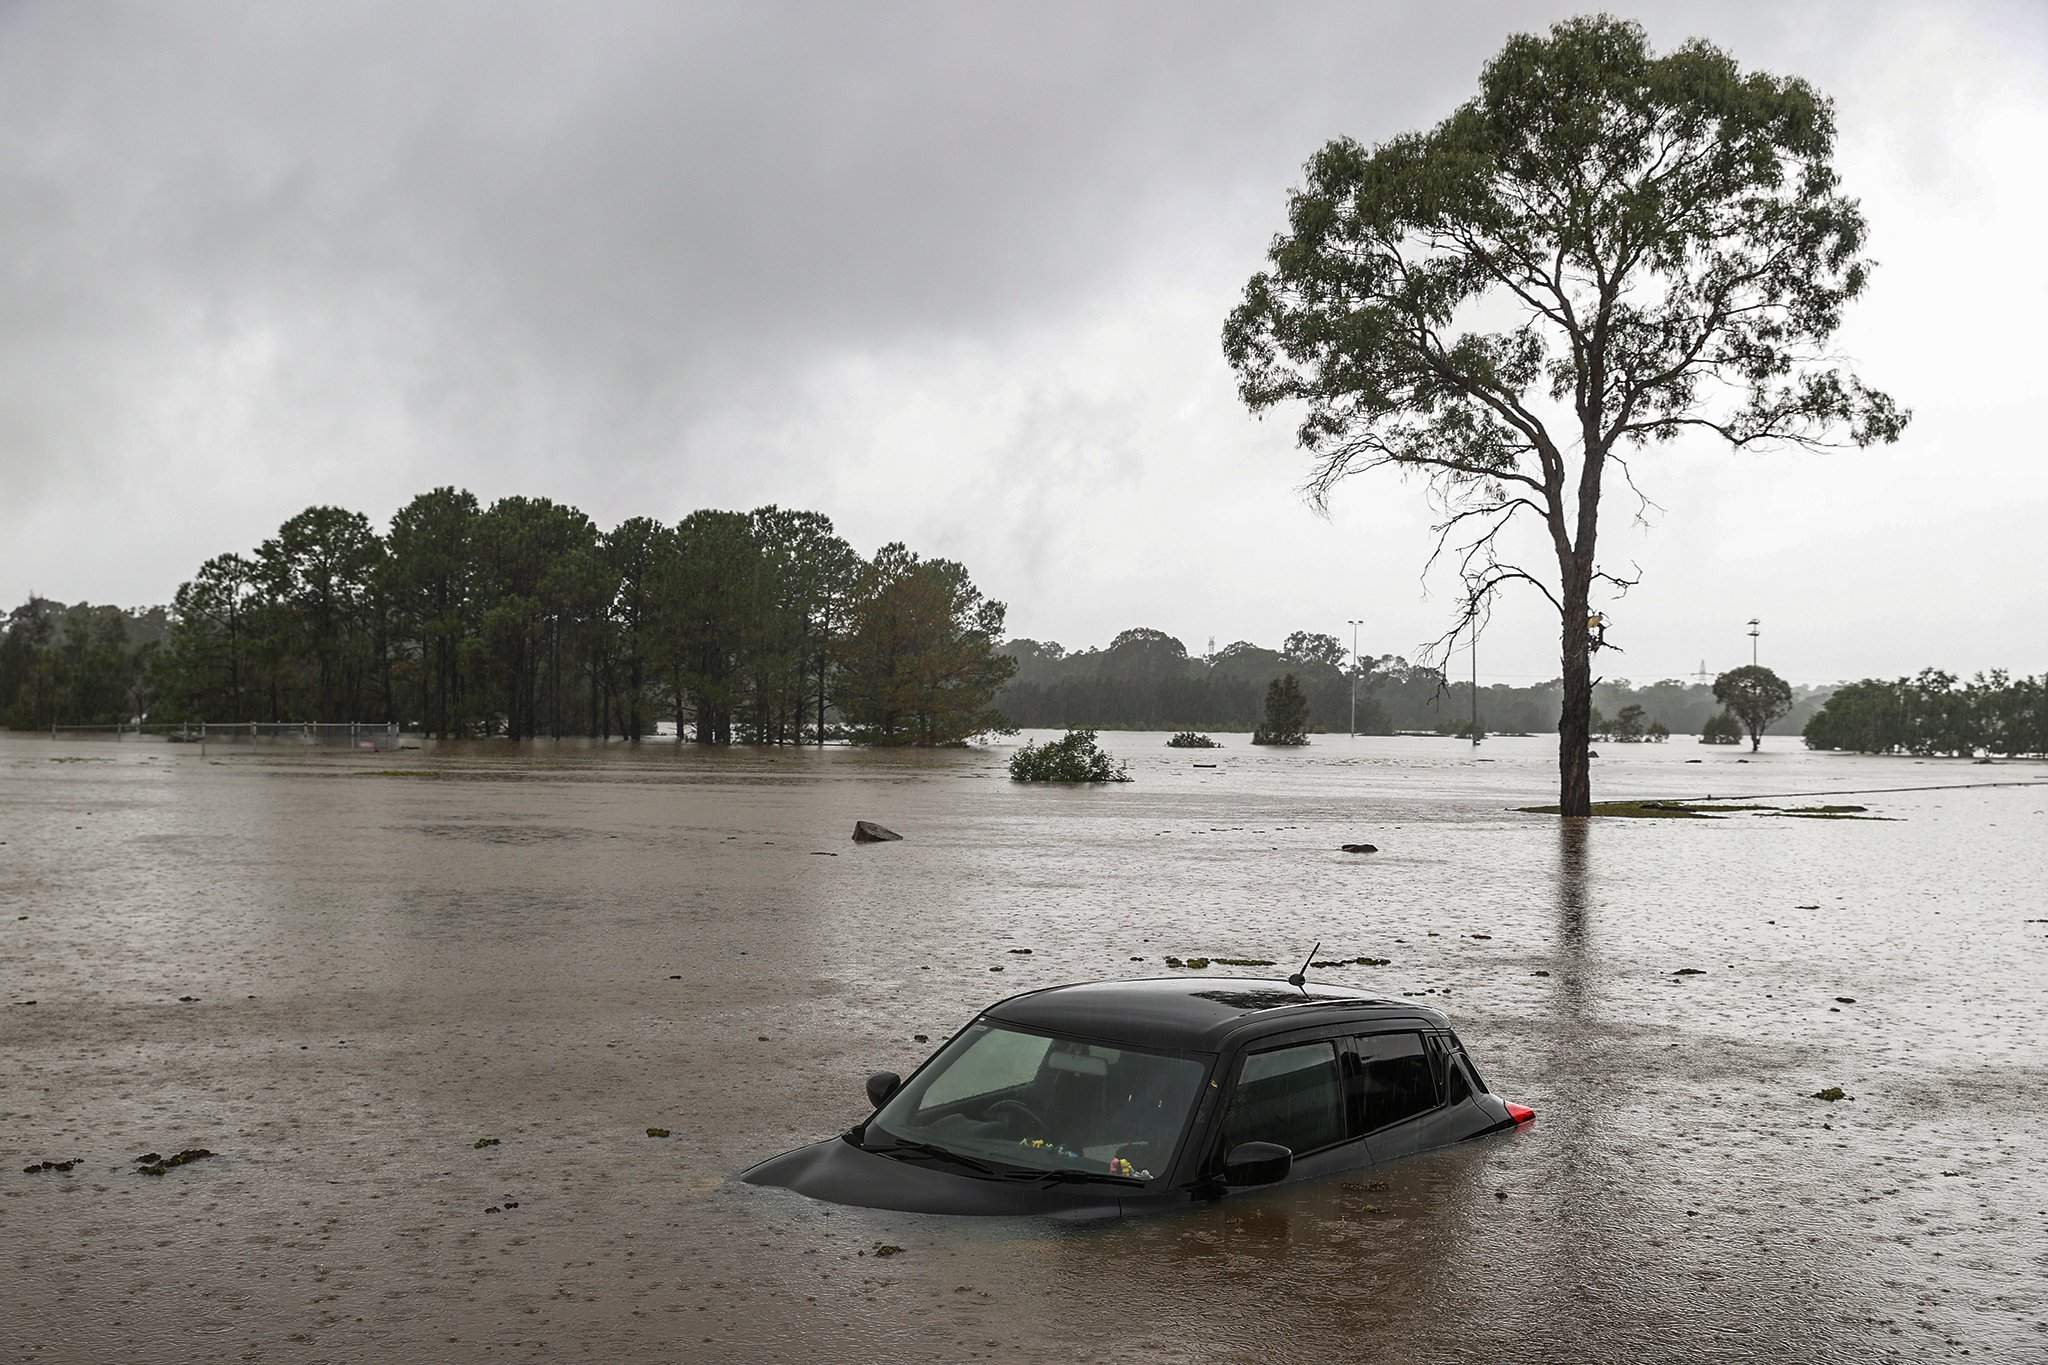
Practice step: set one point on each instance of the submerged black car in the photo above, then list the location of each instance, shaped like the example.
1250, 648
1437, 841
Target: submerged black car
1128, 1096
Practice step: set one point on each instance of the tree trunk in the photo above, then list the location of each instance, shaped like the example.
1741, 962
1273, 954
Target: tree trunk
633, 704
1574, 771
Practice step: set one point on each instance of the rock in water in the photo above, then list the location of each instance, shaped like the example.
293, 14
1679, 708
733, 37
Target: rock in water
868, 832
1361, 848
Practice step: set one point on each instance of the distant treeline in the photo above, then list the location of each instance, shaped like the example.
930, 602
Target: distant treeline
1935, 713
1147, 680
524, 619
82, 660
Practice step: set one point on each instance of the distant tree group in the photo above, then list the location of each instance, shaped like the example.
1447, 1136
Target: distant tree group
524, 619
80, 664
1755, 696
1286, 719
1146, 680
1935, 713
1721, 728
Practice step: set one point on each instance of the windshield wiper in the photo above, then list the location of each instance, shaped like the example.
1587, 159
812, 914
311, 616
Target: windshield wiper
903, 1147
1067, 1175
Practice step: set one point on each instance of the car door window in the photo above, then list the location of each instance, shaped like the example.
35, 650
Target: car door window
1395, 1078
1291, 1096
1456, 1088
1458, 1051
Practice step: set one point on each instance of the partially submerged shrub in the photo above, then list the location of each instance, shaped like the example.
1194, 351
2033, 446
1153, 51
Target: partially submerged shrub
1286, 714
1188, 739
1074, 758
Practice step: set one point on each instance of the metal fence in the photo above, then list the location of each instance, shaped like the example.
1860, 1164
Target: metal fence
360, 736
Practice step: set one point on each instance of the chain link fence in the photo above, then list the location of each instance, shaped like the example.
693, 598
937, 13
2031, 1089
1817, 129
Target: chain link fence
355, 736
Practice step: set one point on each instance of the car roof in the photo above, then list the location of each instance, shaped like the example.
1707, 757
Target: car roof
1192, 1013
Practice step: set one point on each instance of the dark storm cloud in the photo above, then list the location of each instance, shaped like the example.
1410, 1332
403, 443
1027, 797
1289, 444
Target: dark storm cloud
937, 269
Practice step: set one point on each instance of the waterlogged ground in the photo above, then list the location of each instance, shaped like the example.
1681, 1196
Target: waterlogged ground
394, 956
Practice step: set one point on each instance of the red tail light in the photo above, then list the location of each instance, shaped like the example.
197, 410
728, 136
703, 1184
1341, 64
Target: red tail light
1520, 1113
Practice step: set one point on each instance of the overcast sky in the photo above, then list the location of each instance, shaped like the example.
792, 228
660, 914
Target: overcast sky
951, 274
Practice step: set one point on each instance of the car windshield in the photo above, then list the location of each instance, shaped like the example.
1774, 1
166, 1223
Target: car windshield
1008, 1098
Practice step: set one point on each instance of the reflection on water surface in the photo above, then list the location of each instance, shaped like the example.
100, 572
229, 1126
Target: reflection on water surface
392, 958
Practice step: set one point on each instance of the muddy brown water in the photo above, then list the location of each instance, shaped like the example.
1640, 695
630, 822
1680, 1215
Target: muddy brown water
393, 956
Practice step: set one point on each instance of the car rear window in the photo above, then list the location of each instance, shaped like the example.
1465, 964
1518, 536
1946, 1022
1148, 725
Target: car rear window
1291, 1096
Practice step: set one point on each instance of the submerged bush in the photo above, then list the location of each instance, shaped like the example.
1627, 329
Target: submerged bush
1286, 714
1072, 759
1188, 739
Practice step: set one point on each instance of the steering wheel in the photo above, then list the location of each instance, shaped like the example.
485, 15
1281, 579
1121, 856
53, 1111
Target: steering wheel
1023, 1111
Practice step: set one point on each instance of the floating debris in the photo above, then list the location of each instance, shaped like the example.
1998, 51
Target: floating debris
868, 832
61, 1167
1690, 971
657, 1132
482, 1143
887, 1249
1358, 848
186, 1157
1831, 1094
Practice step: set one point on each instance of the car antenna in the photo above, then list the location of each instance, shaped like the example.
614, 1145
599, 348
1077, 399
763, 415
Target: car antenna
1300, 978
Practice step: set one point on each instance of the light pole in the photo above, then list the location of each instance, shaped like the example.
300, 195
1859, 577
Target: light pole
1354, 674
1753, 633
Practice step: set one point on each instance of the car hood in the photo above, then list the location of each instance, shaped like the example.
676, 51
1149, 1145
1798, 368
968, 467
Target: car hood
838, 1172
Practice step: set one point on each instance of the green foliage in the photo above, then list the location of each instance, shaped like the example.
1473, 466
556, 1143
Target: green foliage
1934, 713
523, 619
1286, 714
1188, 739
1658, 732
1074, 758
1308, 648
78, 665
1722, 727
919, 665
1664, 245
1628, 725
1112, 689
1755, 696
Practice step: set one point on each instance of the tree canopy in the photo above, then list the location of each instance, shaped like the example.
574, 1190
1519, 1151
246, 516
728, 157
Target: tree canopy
524, 619
1603, 250
1286, 713
1755, 696
1935, 713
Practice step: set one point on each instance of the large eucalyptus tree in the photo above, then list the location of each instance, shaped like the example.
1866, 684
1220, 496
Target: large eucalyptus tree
1603, 250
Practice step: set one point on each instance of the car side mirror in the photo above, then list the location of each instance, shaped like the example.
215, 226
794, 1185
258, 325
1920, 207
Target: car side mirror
1257, 1163
881, 1086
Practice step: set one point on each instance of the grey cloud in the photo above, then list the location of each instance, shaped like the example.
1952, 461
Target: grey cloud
650, 256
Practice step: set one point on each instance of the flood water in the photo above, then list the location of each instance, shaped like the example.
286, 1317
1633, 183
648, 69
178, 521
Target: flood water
395, 955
